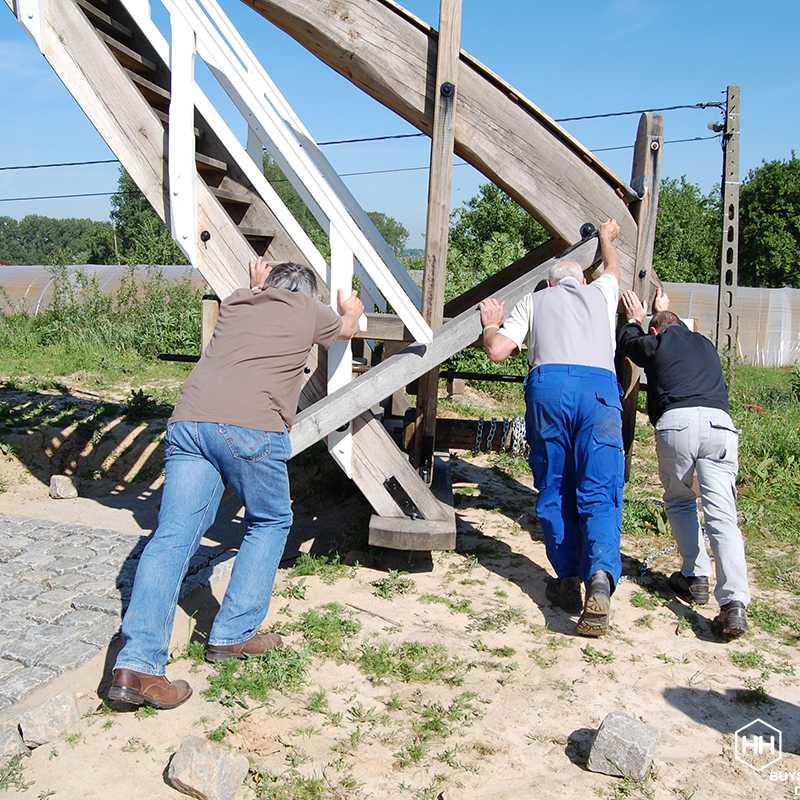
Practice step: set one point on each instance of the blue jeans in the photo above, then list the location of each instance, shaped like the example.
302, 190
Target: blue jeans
574, 429
201, 458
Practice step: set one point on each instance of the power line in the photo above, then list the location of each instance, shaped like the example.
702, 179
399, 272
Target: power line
61, 164
345, 174
703, 105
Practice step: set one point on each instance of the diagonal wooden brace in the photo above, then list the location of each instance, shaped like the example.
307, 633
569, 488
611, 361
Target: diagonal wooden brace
347, 403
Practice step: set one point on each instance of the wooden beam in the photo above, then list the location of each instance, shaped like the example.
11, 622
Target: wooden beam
438, 219
417, 359
392, 56
209, 314
493, 283
646, 180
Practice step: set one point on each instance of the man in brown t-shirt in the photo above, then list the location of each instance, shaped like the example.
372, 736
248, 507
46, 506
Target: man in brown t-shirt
230, 427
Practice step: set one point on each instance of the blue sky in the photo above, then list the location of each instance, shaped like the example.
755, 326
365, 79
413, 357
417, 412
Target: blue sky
570, 58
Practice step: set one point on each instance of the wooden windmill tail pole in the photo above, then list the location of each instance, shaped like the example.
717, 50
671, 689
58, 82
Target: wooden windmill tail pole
437, 229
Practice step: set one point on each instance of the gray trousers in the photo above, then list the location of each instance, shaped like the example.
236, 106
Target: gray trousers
704, 443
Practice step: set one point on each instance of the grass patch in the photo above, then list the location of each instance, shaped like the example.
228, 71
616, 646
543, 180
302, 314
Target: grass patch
327, 630
293, 786
411, 662
459, 605
769, 619
328, 569
595, 657
295, 591
749, 659
643, 600
282, 669
393, 584
12, 776
498, 620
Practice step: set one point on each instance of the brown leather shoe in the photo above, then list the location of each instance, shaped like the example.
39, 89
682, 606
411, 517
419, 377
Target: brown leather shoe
257, 646
139, 688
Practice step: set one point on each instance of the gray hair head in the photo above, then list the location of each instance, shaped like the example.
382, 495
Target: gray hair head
564, 268
293, 277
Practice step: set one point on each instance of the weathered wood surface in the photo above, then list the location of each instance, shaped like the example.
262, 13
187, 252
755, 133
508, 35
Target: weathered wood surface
438, 219
209, 314
392, 56
406, 366
646, 179
493, 283
376, 457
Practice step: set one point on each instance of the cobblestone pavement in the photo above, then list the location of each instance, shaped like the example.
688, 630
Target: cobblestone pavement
63, 589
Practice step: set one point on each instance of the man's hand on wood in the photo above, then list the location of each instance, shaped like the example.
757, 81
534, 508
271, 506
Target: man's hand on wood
661, 302
259, 272
493, 312
608, 230
350, 306
633, 306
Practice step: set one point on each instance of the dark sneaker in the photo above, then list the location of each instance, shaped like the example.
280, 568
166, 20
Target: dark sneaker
731, 622
691, 589
139, 689
565, 593
257, 646
594, 619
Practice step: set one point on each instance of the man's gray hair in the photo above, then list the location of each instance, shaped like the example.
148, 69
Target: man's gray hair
564, 268
294, 277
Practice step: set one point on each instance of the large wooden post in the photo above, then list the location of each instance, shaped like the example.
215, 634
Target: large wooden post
439, 191
727, 317
646, 181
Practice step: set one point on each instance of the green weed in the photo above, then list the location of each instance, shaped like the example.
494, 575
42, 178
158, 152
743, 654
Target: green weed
595, 657
459, 605
294, 591
327, 630
498, 620
328, 568
393, 584
642, 600
750, 659
291, 786
12, 775
283, 669
411, 662
318, 702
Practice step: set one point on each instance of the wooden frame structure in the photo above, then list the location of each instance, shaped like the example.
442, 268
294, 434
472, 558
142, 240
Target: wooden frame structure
138, 88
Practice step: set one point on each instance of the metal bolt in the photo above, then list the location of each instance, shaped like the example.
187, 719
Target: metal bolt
642, 274
654, 145
447, 89
205, 236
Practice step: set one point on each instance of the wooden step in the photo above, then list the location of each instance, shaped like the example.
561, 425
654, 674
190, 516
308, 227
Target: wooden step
164, 117
154, 94
207, 164
98, 17
226, 196
255, 233
129, 59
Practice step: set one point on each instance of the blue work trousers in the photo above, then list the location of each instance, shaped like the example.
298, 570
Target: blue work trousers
574, 429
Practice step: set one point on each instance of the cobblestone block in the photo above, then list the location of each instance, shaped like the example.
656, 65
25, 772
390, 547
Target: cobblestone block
68, 581
205, 770
11, 744
68, 657
27, 651
25, 681
78, 551
63, 566
48, 612
26, 590
83, 618
63, 487
35, 555
100, 633
48, 721
8, 668
57, 595
7, 553
623, 746
14, 609
12, 569
97, 603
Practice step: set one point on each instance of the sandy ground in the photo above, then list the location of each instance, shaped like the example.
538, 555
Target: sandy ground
536, 691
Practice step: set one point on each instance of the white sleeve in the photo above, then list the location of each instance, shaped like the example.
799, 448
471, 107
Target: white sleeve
609, 287
518, 323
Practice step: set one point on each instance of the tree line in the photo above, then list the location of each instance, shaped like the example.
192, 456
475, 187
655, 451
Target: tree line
488, 232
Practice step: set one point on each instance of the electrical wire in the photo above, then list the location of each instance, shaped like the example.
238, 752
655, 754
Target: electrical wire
709, 104
346, 174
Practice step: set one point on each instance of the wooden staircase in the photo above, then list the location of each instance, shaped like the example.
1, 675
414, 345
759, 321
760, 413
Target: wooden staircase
139, 92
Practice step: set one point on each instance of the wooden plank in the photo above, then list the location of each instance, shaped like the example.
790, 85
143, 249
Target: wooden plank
209, 314
493, 283
415, 360
646, 180
376, 457
208, 164
99, 17
394, 61
402, 533
438, 219
127, 56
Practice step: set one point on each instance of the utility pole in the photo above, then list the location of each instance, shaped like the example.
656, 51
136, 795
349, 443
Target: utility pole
727, 317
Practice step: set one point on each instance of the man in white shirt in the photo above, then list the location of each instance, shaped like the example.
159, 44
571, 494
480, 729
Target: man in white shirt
574, 425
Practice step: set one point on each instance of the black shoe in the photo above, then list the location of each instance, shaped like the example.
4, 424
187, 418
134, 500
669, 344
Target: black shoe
565, 593
691, 589
596, 611
731, 621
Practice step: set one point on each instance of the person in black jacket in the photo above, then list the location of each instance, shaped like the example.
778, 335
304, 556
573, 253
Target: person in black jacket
687, 402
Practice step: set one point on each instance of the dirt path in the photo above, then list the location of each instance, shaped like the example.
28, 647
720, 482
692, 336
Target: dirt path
497, 699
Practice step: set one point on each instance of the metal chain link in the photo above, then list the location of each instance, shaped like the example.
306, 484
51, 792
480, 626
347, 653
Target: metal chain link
490, 438
519, 443
478, 436
506, 428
